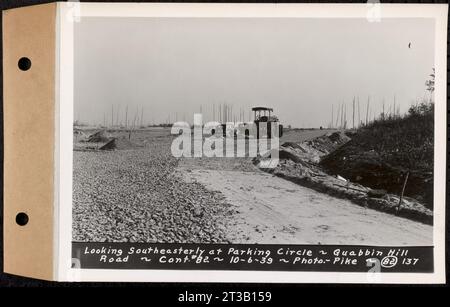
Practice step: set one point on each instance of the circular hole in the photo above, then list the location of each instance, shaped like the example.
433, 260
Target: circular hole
24, 63
22, 219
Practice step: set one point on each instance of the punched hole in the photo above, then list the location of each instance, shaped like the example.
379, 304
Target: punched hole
24, 63
21, 219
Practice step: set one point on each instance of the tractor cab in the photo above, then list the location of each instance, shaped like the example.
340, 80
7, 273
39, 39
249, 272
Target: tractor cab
264, 115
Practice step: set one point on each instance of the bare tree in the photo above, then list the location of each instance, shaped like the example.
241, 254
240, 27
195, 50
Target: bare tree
353, 113
430, 84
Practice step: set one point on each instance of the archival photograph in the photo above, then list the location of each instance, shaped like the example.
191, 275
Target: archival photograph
292, 131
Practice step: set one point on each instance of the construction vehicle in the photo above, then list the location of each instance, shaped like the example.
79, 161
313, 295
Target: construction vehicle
264, 115
264, 123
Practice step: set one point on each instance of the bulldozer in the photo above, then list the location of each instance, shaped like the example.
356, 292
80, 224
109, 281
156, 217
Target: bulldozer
264, 115
263, 120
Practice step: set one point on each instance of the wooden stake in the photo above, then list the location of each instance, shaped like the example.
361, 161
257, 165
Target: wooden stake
403, 191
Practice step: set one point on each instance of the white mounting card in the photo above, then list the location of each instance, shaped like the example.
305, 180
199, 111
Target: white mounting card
283, 143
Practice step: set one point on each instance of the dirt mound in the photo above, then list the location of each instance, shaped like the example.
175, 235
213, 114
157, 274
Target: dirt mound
111, 145
329, 142
289, 154
339, 137
382, 154
316, 179
313, 150
302, 163
79, 133
123, 143
369, 168
312, 176
293, 145
98, 137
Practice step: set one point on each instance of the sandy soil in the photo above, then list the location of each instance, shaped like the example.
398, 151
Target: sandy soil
272, 210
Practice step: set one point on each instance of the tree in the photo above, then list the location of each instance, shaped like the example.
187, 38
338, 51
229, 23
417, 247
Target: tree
430, 83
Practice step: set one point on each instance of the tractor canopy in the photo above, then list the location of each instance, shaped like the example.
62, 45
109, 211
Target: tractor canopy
264, 114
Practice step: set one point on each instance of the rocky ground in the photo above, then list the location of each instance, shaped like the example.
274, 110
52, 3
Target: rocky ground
135, 195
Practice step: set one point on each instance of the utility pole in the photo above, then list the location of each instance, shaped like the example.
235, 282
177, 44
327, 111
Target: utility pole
367, 109
332, 115
359, 114
337, 116
112, 115
353, 113
117, 115
224, 113
345, 116
394, 107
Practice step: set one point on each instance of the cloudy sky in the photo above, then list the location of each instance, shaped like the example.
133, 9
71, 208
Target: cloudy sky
300, 67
